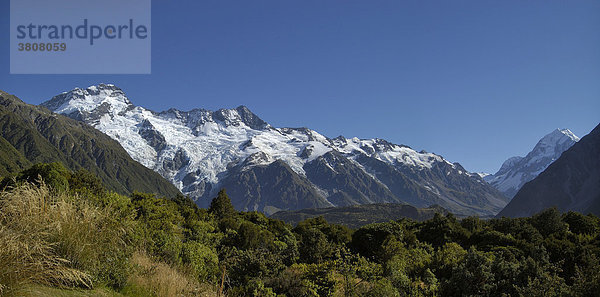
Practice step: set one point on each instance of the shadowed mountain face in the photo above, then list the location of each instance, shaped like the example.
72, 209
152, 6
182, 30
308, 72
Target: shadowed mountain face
570, 183
253, 188
346, 181
268, 169
30, 134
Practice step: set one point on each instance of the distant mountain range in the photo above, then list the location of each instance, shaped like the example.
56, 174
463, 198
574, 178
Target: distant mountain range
288, 171
31, 134
517, 171
570, 183
269, 169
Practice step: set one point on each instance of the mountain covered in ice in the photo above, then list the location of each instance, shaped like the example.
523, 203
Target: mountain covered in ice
571, 183
517, 171
269, 169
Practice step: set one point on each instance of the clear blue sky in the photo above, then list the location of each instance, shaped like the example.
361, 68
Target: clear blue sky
475, 81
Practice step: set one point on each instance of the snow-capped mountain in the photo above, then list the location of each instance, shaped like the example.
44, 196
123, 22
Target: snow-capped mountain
517, 171
571, 183
268, 169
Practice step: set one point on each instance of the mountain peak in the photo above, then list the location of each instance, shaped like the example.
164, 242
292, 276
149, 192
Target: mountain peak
560, 134
555, 142
569, 184
102, 98
240, 114
516, 171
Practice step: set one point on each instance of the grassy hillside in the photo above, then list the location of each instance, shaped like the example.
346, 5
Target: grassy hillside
30, 134
11, 160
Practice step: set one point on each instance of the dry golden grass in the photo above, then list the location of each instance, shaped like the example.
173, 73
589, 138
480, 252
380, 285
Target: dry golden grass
162, 280
43, 236
42, 291
53, 241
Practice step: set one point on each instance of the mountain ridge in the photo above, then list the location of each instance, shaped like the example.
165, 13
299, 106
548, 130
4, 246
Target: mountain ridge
199, 151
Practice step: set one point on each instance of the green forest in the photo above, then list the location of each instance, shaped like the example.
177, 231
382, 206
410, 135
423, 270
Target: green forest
63, 233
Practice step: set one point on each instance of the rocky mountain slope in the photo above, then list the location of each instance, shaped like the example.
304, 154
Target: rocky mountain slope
570, 183
516, 171
269, 169
30, 134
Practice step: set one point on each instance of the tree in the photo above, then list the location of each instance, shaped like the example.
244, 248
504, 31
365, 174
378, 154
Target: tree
473, 277
202, 260
587, 277
440, 230
319, 240
221, 206
548, 222
159, 226
448, 257
314, 247
368, 240
252, 236
472, 224
580, 224
85, 182
54, 175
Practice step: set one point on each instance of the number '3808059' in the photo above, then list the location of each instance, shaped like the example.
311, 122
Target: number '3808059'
42, 47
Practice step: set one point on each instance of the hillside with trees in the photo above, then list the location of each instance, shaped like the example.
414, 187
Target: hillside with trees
31, 134
356, 216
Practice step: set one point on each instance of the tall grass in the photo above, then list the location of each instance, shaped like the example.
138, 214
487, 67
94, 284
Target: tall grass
59, 240
162, 280
49, 238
